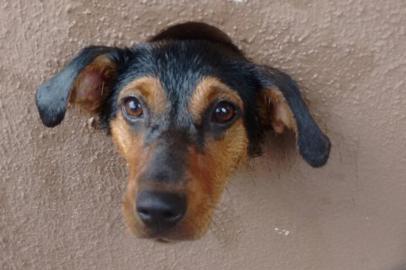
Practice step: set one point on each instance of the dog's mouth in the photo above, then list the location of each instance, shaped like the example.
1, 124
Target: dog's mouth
163, 240
171, 236
190, 228
159, 237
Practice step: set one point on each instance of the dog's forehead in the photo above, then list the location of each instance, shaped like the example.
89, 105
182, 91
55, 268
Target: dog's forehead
180, 66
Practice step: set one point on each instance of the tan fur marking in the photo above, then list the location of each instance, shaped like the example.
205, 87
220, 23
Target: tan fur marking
130, 146
206, 92
208, 174
277, 108
151, 90
93, 84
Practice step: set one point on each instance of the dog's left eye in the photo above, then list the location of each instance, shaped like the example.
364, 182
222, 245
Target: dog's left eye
223, 112
132, 107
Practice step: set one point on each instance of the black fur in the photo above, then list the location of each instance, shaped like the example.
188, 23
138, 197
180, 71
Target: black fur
180, 57
52, 96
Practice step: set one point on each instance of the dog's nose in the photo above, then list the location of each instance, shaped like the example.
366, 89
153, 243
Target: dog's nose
160, 211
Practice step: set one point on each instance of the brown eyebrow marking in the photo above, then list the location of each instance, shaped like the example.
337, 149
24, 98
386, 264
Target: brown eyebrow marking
151, 90
209, 89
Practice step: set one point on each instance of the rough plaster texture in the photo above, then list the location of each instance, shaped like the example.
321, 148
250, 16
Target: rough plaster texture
60, 189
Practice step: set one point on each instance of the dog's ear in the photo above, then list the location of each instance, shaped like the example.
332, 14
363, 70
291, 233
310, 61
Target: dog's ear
86, 81
282, 105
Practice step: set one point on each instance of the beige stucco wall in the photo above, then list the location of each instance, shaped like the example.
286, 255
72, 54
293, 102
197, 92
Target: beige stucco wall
60, 189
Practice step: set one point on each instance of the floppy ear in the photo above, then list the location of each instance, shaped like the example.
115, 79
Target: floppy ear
284, 108
86, 81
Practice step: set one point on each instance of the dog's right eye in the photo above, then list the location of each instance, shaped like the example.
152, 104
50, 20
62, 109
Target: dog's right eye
132, 107
223, 112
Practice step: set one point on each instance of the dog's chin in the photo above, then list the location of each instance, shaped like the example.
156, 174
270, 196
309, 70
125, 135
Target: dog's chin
173, 235
170, 237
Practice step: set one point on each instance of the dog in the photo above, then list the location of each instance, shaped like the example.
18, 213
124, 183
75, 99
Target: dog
185, 109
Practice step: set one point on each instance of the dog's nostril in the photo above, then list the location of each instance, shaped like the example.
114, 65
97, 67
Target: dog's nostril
160, 210
169, 215
144, 212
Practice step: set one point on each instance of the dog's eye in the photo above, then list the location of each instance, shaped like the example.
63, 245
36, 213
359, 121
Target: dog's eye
132, 107
223, 112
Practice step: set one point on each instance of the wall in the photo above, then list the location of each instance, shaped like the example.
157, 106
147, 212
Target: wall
60, 189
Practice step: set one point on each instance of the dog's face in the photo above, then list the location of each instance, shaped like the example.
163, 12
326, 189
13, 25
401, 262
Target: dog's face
185, 110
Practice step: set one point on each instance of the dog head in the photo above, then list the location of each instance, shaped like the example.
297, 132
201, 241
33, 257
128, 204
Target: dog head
185, 109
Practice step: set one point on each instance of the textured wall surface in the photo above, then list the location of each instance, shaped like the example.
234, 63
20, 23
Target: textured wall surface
60, 189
